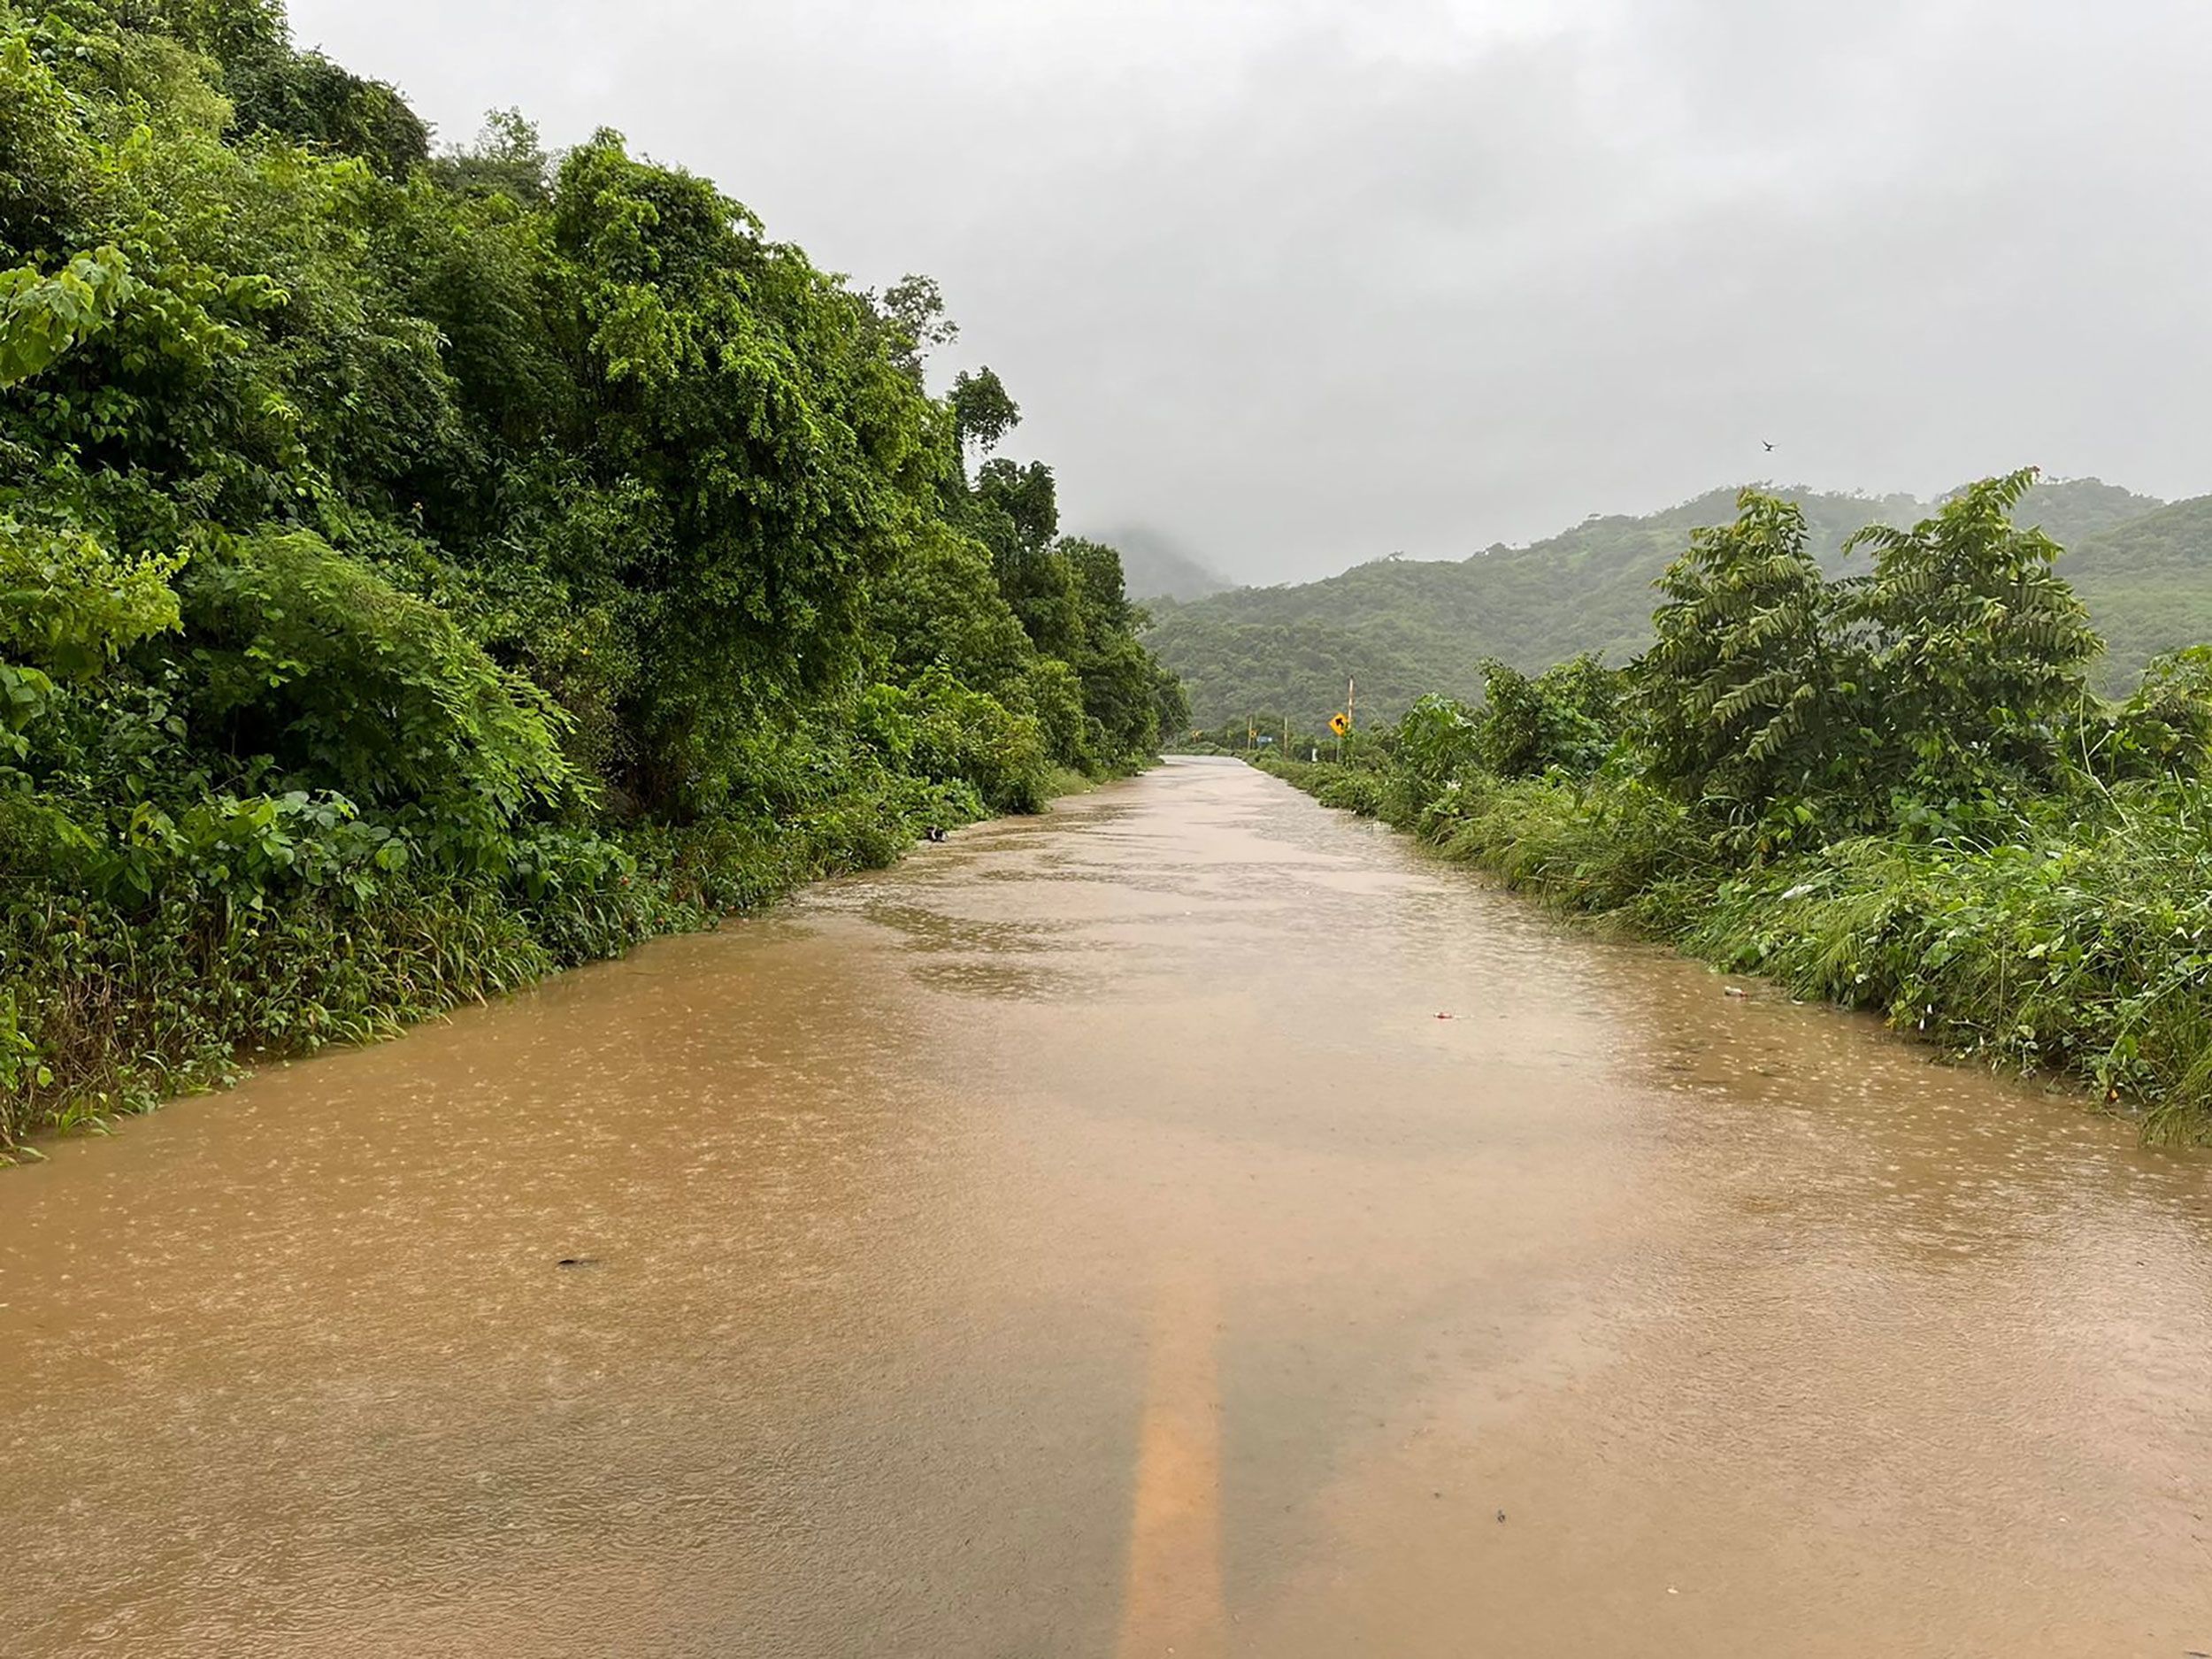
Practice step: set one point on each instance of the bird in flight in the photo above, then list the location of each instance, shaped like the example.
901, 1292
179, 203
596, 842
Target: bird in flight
1770, 447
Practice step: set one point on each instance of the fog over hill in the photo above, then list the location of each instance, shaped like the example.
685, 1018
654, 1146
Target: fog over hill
1156, 566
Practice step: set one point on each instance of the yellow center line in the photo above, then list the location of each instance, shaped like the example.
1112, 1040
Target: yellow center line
1172, 1601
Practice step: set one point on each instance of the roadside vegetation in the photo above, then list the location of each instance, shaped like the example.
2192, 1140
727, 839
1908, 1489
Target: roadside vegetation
422, 570
1892, 790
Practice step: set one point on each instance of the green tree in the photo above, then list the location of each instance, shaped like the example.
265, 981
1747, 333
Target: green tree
1977, 649
939, 605
914, 309
508, 158
983, 412
311, 100
1744, 697
785, 457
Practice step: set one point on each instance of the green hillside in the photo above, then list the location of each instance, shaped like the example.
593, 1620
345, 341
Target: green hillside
2148, 584
1407, 626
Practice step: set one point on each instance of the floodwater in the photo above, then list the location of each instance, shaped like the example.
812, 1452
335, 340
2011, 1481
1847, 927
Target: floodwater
1087, 1239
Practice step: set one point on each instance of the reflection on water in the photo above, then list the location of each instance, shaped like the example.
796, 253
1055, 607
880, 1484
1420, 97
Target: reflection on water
1087, 1239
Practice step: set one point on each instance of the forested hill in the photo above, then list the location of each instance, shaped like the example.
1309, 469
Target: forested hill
422, 569
2148, 583
1404, 627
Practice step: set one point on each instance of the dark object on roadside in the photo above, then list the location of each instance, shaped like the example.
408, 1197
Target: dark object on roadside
934, 834
580, 1261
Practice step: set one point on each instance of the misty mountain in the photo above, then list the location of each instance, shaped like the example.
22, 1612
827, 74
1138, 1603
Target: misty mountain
1406, 626
1155, 566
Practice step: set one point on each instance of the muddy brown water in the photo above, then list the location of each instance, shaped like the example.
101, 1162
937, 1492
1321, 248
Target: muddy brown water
1086, 1239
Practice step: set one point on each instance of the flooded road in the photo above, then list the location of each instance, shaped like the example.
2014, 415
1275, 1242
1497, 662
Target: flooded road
1088, 1239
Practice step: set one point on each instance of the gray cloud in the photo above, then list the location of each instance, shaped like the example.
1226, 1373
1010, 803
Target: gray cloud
1300, 283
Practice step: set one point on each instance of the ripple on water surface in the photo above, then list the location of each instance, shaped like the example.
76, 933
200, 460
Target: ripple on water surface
1190, 1219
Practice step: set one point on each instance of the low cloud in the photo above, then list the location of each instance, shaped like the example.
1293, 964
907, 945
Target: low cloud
1299, 284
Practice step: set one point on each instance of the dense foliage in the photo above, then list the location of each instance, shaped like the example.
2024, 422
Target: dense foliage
417, 571
1892, 787
1407, 628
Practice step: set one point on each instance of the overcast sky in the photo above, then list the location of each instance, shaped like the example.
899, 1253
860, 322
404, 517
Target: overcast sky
1299, 282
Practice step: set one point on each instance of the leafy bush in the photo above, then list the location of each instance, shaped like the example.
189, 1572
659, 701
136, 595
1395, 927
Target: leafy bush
1567, 718
303, 656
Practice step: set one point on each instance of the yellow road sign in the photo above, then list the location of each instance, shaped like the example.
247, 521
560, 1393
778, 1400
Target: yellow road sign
1338, 724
